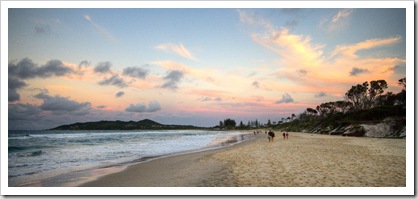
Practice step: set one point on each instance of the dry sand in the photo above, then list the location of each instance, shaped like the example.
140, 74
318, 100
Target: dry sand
304, 160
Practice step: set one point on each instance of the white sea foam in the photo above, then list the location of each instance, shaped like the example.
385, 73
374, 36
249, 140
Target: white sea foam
35, 155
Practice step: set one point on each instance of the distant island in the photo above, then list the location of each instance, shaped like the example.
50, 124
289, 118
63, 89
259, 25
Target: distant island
145, 124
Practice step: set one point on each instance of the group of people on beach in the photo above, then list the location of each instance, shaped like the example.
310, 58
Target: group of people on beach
285, 135
271, 135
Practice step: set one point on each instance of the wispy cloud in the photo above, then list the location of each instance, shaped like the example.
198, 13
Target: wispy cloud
337, 21
351, 50
206, 99
303, 62
102, 31
178, 49
320, 94
254, 19
294, 49
341, 15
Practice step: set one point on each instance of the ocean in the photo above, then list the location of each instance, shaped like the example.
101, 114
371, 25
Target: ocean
48, 157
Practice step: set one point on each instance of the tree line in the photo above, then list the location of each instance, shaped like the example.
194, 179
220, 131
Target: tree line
358, 98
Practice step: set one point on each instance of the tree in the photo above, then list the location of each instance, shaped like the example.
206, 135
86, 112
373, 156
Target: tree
402, 82
357, 95
229, 123
293, 116
311, 111
342, 106
375, 91
241, 125
402, 95
326, 109
389, 99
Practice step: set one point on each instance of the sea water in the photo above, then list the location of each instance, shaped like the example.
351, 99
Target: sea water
37, 155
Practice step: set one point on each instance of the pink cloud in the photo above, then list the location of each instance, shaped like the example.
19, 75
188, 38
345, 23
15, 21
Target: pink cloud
178, 49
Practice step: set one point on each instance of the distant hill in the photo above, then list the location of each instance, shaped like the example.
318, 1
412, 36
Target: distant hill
145, 124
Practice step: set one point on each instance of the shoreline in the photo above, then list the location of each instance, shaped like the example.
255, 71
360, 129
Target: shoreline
304, 160
79, 177
156, 165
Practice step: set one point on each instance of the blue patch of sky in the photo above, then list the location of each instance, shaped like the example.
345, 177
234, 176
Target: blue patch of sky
213, 36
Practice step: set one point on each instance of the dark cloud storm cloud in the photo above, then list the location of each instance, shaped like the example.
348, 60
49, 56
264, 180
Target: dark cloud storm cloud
153, 106
135, 72
23, 112
120, 94
356, 71
14, 85
141, 107
103, 67
115, 80
26, 69
84, 63
172, 79
62, 105
138, 108
398, 69
286, 98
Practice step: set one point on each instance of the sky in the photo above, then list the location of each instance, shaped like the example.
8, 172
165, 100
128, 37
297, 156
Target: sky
194, 66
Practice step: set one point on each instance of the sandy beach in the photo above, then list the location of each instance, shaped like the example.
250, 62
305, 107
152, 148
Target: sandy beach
304, 160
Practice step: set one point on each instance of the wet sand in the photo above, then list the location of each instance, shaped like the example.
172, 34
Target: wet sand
304, 160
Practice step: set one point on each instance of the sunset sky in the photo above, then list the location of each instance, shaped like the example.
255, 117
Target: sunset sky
194, 66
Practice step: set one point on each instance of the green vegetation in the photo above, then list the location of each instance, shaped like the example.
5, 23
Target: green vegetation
362, 105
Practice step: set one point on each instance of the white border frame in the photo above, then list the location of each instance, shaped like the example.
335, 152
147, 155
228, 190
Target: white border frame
408, 190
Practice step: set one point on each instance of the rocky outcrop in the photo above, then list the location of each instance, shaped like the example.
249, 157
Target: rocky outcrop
391, 127
388, 128
356, 131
